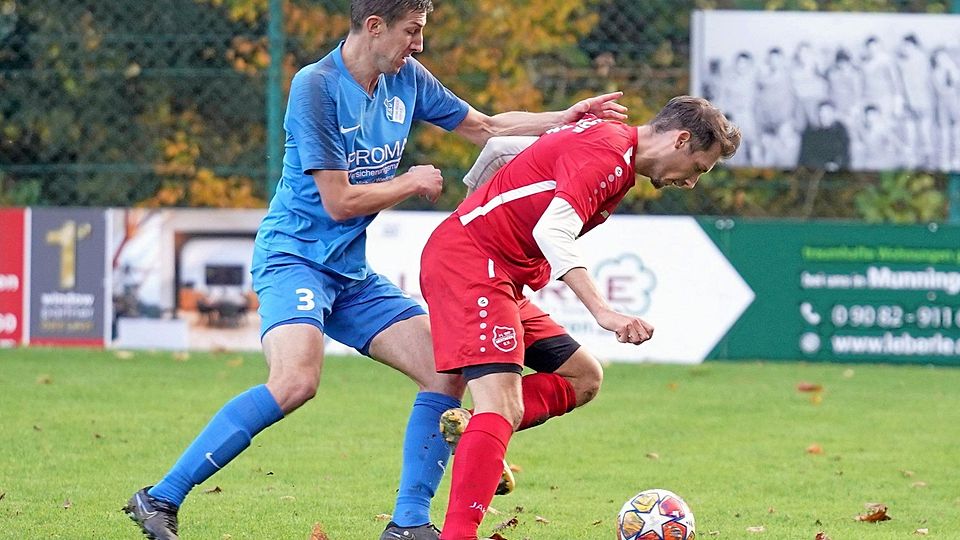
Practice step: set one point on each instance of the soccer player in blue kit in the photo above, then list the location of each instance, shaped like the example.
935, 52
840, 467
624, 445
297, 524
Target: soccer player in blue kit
347, 122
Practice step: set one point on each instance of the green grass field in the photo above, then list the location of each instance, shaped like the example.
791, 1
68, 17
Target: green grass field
81, 430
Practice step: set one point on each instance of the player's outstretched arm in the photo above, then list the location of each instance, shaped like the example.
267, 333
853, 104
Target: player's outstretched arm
343, 200
478, 127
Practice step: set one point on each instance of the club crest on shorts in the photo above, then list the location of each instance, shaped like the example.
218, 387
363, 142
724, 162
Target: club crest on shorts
504, 338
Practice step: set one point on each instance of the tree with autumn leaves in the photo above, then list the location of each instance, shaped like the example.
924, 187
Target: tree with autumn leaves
162, 103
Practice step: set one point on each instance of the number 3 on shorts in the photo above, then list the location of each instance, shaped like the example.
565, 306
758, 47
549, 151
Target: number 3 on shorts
306, 300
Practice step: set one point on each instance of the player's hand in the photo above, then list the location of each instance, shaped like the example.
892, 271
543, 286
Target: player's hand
603, 106
427, 181
628, 329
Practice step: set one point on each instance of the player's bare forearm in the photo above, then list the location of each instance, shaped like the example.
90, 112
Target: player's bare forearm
478, 127
627, 328
579, 281
343, 200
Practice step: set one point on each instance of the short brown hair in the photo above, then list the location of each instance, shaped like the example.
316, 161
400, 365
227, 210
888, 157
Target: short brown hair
390, 10
706, 124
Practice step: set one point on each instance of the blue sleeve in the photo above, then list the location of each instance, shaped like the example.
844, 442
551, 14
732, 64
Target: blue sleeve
435, 103
312, 124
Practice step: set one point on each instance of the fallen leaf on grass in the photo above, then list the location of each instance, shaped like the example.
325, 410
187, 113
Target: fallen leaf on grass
383, 517
815, 449
919, 484
235, 363
288, 498
37, 428
214, 489
771, 510
2, 495
821, 536
848, 373
757, 529
907, 474
543, 520
181, 356
44, 379
123, 355
653, 455
816, 399
809, 387
318, 533
518, 509
921, 532
597, 522
508, 524
493, 511
877, 513
67, 504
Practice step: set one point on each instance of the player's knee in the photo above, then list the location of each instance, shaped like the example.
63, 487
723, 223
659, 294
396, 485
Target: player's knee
587, 385
510, 409
303, 391
292, 392
442, 383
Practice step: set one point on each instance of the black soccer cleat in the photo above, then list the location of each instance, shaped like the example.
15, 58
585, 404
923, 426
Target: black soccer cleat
157, 519
423, 532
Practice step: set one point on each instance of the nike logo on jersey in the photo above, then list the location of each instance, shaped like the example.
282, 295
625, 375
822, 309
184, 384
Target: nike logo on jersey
345, 130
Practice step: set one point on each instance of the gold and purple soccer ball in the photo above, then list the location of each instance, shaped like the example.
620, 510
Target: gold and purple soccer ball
656, 514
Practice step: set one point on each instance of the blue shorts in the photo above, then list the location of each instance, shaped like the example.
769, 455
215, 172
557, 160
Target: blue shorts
292, 290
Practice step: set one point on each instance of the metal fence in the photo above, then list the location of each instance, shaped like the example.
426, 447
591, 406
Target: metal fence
105, 102
173, 102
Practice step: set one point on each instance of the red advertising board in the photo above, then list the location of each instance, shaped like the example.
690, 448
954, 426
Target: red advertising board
12, 282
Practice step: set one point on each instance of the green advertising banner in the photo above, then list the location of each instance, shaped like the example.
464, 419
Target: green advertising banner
843, 292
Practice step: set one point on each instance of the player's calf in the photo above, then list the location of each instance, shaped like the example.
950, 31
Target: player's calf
453, 422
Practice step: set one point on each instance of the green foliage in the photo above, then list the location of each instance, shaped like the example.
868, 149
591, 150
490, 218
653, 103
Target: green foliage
113, 103
91, 91
901, 197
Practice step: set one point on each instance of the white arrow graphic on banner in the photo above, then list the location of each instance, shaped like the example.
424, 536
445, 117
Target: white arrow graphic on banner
663, 269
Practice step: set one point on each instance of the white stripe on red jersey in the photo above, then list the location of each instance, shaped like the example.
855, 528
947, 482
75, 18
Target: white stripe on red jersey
586, 164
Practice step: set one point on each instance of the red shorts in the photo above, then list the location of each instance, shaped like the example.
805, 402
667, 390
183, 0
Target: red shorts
478, 315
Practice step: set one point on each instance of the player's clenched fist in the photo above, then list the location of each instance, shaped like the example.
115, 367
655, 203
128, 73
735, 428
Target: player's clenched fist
628, 329
427, 180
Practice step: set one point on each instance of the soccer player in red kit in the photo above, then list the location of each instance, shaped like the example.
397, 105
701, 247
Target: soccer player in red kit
519, 228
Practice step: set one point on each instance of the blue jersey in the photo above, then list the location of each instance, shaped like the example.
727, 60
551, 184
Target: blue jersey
332, 123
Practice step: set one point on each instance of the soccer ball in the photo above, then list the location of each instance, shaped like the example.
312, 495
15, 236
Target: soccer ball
655, 514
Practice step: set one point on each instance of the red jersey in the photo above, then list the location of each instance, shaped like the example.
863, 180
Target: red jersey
589, 164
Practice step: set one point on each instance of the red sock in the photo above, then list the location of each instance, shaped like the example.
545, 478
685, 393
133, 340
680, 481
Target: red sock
545, 395
476, 473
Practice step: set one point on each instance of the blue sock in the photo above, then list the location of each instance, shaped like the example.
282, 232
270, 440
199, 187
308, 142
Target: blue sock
228, 433
425, 456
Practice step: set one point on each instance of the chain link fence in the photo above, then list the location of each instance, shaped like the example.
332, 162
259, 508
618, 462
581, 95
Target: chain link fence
103, 103
123, 102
